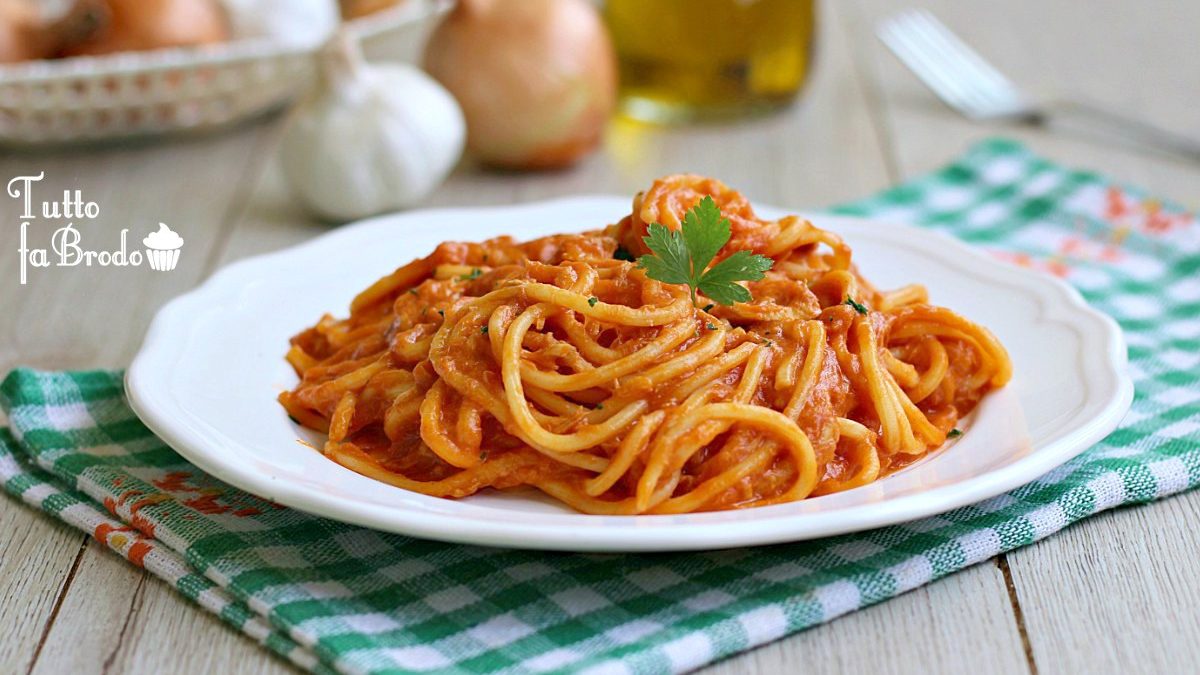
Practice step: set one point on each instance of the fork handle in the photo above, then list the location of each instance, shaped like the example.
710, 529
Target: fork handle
1132, 128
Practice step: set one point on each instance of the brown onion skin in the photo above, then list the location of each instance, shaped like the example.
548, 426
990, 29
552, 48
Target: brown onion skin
21, 36
142, 25
537, 79
25, 35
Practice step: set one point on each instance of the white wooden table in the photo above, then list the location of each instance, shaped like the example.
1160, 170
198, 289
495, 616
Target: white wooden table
1117, 593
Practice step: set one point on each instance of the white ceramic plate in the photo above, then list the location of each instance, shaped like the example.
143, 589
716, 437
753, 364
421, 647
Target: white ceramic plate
206, 379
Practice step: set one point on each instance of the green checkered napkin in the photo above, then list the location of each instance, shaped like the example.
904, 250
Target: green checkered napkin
333, 597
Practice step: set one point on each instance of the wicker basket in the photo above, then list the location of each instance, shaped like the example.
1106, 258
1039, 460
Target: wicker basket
175, 90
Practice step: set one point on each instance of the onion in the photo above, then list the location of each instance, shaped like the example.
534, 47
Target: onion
140, 25
20, 32
536, 79
27, 35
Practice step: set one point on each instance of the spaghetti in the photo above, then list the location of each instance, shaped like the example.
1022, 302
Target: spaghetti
558, 364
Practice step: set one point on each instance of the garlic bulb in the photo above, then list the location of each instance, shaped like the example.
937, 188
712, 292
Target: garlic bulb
374, 137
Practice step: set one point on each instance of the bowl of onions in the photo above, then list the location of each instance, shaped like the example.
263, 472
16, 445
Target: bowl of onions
73, 70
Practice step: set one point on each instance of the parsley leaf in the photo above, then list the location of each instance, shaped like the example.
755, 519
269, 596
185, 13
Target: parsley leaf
704, 233
669, 263
953, 433
592, 301
718, 282
681, 257
858, 306
474, 274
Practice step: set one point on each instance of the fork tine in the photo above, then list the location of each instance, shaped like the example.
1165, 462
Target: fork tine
954, 71
972, 65
983, 94
897, 35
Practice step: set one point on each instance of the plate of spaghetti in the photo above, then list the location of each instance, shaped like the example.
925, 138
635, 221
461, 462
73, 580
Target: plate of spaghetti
689, 372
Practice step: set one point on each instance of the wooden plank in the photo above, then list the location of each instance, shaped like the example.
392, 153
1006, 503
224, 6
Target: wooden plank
122, 620
1112, 592
36, 560
1116, 593
95, 317
960, 624
93, 616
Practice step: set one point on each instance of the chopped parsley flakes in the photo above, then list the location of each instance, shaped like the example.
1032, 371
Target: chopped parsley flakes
858, 306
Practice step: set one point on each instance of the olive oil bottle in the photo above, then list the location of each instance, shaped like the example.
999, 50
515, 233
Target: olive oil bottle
696, 59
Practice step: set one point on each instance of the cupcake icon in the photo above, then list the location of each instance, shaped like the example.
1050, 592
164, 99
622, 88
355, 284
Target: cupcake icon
162, 248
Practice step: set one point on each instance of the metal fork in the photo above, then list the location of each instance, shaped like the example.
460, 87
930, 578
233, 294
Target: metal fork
965, 81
